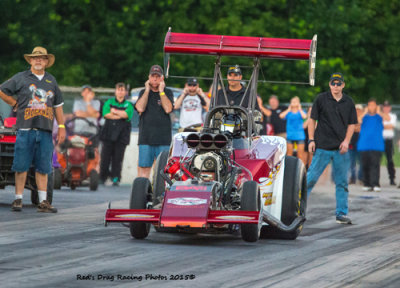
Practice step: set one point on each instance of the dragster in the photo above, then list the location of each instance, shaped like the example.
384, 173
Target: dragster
225, 178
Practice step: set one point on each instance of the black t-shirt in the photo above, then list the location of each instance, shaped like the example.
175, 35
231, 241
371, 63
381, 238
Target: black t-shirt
36, 99
333, 119
277, 122
154, 123
234, 98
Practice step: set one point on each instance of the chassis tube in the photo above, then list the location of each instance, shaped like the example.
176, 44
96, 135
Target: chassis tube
273, 221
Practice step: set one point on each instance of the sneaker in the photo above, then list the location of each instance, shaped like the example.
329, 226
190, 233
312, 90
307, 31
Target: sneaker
343, 219
377, 189
46, 207
392, 183
16, 205
115, 181
352, 181
366, 189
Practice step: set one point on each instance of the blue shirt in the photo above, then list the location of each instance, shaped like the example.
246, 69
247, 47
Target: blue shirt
294, 127
371, 134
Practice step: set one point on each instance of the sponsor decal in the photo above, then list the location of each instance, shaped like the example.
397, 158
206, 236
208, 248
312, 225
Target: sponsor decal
235, 217
268, 198
195, 188
192, 201
134, 216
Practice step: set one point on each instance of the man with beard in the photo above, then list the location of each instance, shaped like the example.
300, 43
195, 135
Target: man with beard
154, 105
38, 100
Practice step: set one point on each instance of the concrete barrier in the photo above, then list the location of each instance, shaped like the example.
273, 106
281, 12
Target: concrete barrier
129, 166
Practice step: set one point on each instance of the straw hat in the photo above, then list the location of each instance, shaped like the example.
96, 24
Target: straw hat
40, 51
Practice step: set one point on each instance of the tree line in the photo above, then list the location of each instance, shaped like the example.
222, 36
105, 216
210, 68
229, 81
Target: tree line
106, 41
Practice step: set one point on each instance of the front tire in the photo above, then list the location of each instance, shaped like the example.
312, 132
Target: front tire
94, 180
250, 201
141, 189
294, 199
57, 178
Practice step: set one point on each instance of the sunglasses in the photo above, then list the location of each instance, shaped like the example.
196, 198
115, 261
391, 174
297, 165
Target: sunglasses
192, 85
336, 84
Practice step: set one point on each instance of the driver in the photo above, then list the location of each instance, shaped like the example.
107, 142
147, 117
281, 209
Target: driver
235, 90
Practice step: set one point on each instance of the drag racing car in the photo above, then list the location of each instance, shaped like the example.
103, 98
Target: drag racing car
225, 178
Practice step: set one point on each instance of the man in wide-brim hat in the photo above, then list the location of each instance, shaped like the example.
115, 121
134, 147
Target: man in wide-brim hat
40, 52
37, 99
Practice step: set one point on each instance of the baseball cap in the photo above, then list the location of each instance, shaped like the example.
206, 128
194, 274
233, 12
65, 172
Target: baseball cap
156, 69
386, 103
234, 69
337, 76
192, 81
86, 87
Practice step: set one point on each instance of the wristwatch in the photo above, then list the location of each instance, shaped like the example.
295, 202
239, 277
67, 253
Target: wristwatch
310, 140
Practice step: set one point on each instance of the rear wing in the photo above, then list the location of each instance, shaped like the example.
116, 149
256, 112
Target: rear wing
257, 47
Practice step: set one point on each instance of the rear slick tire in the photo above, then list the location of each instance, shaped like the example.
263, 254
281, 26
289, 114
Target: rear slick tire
294, 199
141, 191
158, 181
250, 201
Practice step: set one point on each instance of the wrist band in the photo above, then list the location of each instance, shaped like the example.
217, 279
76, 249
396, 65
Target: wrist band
162, 93
311, 140
61, 126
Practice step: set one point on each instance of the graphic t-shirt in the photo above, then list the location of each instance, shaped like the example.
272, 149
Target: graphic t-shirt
36, 99
81, 125
294, 127
191, 111
155, 124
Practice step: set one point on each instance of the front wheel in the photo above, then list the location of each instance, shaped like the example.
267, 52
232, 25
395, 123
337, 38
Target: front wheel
250, 201
94, 180
141, 190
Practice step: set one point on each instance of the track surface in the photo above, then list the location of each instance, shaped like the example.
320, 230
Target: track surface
55, 250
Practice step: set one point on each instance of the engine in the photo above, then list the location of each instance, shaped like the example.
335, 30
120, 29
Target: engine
208, 166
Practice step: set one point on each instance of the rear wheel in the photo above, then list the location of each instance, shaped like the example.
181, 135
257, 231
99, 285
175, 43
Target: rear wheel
57, 178
94, 180
294, 199
250, 201
141, 191
158, 181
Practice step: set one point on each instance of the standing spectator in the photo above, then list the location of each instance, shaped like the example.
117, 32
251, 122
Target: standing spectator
277, 122
371, 145
38, 99
88, 108
353, 153
115, 134
389, 124
336, 116
192, 101
154, 105
307, 155
265, 113
294, 116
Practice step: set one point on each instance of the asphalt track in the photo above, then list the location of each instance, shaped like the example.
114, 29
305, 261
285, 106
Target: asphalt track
73, 249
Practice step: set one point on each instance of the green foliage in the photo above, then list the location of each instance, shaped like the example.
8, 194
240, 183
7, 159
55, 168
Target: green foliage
106, 41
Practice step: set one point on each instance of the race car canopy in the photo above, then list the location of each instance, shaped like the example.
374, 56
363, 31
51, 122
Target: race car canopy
186, 43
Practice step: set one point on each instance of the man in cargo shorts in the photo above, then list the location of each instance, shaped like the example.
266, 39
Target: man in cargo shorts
38, 100
154, 105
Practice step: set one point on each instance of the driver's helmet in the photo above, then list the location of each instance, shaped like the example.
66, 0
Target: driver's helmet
231, 123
